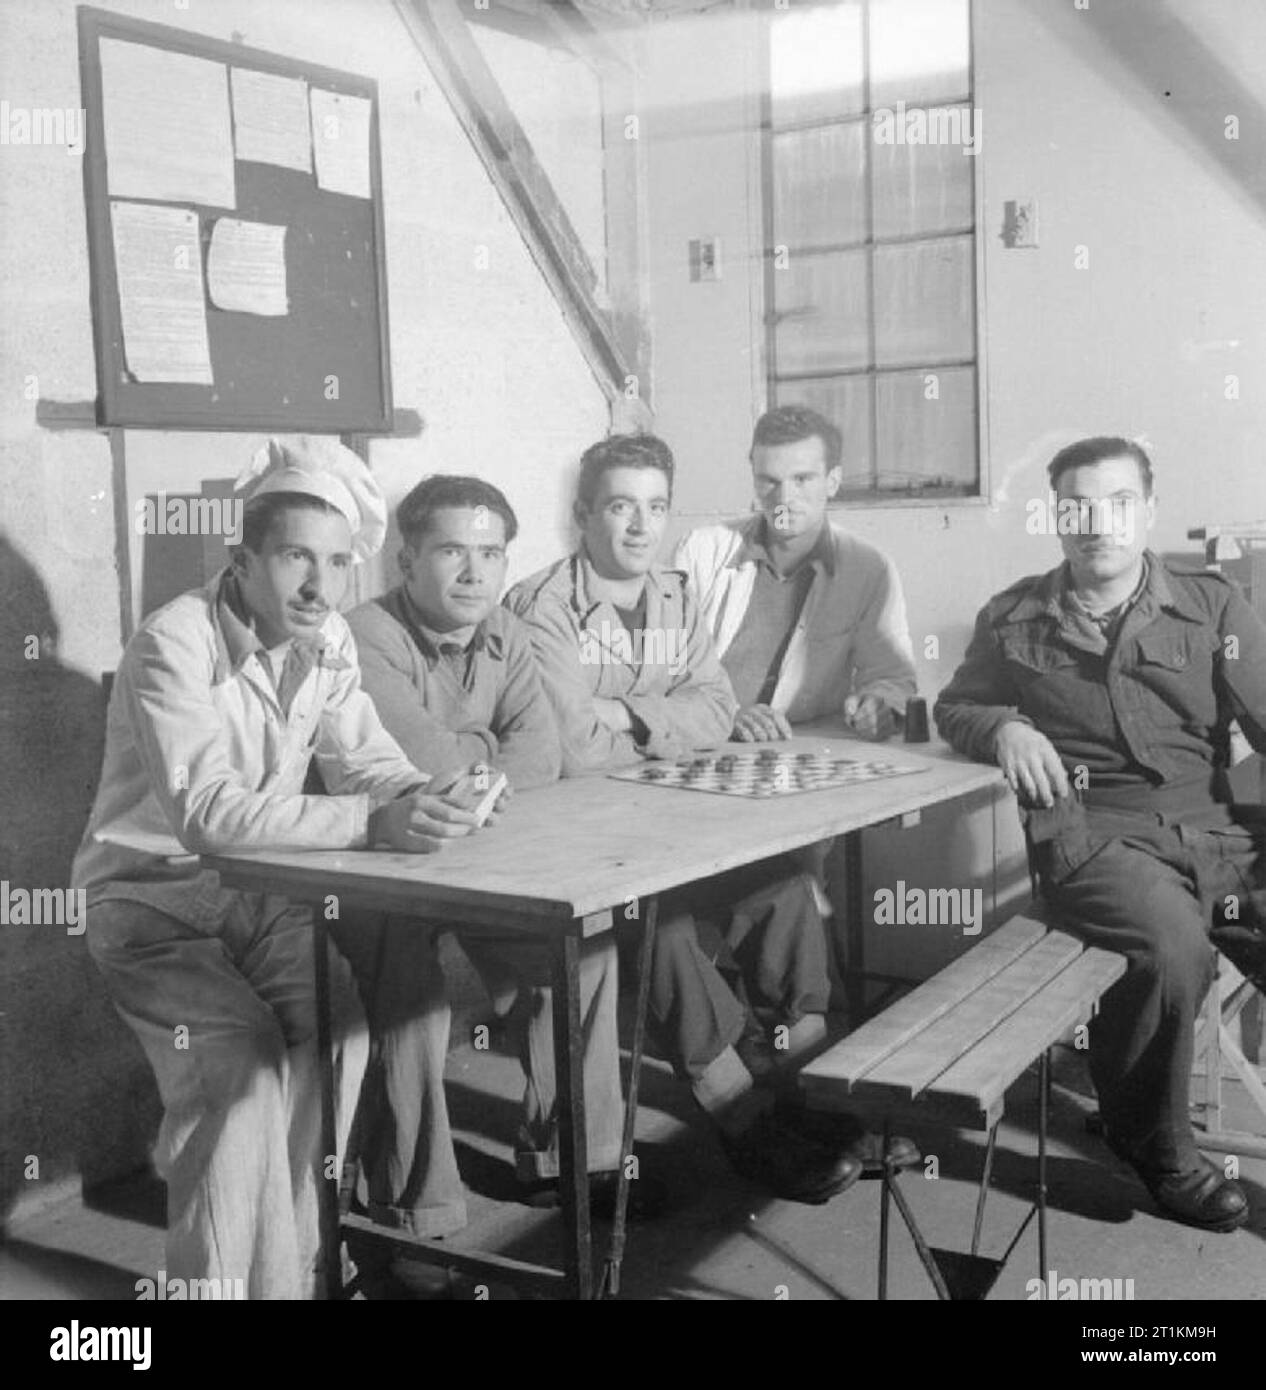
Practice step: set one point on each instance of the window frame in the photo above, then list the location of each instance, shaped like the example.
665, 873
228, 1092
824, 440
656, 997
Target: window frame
766, 383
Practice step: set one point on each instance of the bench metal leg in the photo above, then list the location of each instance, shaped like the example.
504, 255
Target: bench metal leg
984, 1188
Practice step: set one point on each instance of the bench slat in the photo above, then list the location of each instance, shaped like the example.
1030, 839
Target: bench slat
917, 1065
982, 1075
863, 1050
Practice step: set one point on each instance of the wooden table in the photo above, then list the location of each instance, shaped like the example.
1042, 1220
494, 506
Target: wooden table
564, 864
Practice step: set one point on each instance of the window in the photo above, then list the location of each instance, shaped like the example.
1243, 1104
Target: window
870, 144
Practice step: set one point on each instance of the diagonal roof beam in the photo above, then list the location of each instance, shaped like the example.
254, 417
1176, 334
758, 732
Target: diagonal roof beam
439, 30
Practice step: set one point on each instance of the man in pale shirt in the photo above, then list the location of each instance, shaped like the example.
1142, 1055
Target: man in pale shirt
221, 700
809, 622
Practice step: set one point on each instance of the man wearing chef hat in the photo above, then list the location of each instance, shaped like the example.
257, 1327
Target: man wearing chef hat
221, 700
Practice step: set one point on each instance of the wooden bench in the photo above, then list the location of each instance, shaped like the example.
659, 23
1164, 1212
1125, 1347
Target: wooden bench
950, 1049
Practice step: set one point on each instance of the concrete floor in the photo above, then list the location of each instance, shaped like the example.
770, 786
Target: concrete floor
721, 1238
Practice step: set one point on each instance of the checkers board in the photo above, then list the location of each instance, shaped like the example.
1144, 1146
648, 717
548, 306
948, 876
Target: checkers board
767, 772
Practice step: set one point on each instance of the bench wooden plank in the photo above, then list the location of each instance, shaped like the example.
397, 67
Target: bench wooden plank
916, 1066
982, 1075
853, 1057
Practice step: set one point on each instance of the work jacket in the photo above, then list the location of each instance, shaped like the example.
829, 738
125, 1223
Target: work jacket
851, 637
202, 758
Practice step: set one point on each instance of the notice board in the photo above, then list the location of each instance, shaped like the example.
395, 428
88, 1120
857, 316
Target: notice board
235, 235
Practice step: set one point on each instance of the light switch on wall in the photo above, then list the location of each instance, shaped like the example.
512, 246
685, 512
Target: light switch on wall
1019, 227
705, 258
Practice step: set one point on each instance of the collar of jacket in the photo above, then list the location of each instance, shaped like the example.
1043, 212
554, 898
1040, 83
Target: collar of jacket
668, 582
235, 637
481, 639
1044, 598
753, 550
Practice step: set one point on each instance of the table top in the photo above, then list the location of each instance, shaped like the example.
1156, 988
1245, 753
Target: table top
586, 845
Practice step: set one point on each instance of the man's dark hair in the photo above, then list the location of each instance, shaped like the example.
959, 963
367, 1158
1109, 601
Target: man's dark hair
1087, 452
414, 514
789, 424
261, 512
621, 451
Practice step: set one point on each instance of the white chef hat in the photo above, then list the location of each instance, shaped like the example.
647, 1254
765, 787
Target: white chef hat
321, 467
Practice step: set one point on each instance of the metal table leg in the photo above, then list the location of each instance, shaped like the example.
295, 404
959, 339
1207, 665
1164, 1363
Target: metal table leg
573, 1156
1043, 1105
326, 1182
610, 1286
855, 928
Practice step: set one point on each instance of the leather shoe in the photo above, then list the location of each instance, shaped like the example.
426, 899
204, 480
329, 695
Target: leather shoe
845, 1133
787, 1163
1199, 1196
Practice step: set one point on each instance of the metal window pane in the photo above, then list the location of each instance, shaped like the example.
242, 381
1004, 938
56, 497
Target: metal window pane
919, 51
819, 192
924, 187
815, 62
820, 308
926, 430
924, 301
845, 401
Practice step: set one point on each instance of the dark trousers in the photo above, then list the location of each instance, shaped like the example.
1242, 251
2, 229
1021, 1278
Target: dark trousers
749, 940
1161, 889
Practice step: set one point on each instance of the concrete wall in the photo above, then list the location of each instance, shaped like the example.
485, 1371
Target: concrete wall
482, 354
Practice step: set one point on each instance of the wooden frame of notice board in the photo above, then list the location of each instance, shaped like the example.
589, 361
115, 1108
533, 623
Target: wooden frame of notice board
322, 366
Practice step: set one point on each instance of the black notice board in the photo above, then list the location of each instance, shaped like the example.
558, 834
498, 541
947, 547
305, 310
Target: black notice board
269, 374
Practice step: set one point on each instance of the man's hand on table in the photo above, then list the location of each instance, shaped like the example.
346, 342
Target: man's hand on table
868, 717
1030, 764
464, 790
760, 724
418, 824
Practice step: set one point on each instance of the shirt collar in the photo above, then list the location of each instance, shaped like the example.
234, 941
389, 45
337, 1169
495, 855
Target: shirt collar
474, 638
753, 549
1154, 592
237, 640
581, 569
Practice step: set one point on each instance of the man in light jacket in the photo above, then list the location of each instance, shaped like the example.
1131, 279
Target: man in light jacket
221, 700
808, 621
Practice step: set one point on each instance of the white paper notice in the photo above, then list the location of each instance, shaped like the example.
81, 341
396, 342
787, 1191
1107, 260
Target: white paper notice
246, 267
158, 262
270, 119
168, 134
340, 142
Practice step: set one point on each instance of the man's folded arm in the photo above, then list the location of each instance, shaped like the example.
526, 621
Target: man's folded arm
979, 700
699, 707
165, 680
587, 742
